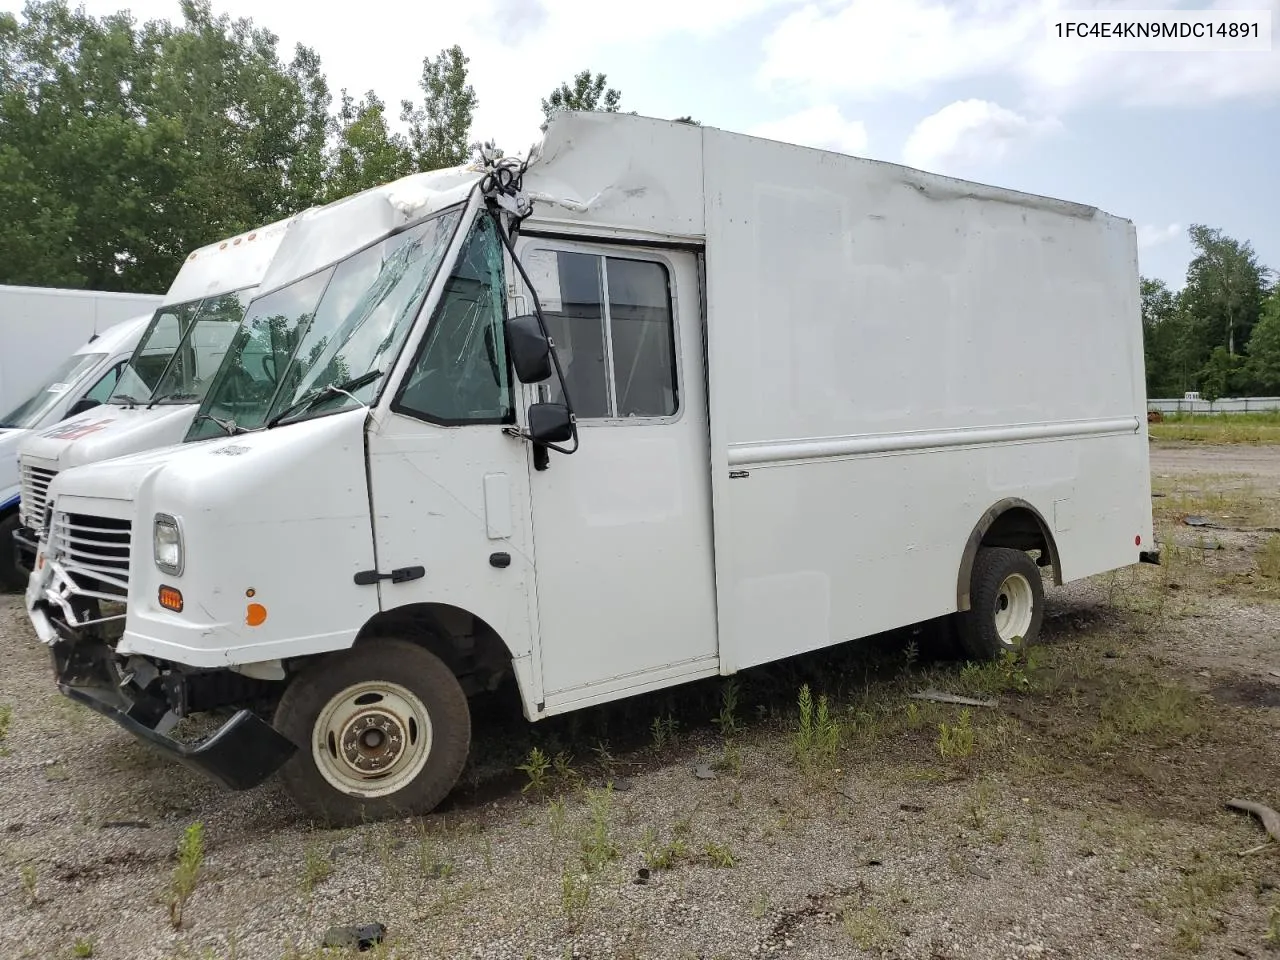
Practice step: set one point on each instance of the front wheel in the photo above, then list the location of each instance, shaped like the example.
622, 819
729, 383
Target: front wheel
382, 730
1006, 604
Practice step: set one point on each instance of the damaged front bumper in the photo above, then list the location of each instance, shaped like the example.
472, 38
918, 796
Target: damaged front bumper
241, 754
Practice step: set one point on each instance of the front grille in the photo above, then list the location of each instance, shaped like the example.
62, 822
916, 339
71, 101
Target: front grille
35, 495
93, 552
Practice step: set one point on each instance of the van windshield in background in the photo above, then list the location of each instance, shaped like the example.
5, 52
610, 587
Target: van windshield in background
178, 355
30, 412
326, 329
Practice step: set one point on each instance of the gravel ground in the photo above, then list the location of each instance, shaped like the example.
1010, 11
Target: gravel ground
1081, 817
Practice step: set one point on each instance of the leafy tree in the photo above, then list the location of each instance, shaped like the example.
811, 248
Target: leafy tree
367, 152
587, 93
124, 147
1225, 288
1163, 334
440, 130
1264, 349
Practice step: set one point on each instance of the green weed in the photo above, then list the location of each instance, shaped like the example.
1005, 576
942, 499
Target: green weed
598, 847
187, 873
817, 738
536, 768
956, 742
316, 869
719, 855
727, 720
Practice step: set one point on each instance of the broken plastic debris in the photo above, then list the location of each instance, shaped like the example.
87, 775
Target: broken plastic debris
937, 696
363, 936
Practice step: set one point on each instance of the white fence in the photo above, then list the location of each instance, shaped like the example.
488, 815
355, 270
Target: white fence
1223, 405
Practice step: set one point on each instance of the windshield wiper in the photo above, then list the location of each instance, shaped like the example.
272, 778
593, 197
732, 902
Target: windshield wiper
230, 427
324, 393
173, 396
123, 400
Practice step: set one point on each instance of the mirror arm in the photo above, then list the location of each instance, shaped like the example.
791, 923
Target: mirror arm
542, 325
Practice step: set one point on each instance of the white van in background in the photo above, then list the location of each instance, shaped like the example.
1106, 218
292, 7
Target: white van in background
82, 381
41, 326
158, 391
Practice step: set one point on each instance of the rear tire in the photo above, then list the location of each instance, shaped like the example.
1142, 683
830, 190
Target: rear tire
11, 576
1006, 604
382, 730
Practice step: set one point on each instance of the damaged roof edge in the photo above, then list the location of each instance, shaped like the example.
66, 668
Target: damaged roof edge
559, 140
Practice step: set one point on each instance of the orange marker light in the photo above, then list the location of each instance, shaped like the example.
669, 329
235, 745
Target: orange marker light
171, 599
255, 614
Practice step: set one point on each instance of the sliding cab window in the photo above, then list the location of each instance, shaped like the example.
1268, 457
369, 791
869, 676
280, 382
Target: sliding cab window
612, 323
460, 374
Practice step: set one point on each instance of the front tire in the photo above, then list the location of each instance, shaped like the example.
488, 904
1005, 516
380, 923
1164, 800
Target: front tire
1006, 604
11, 576
382, 730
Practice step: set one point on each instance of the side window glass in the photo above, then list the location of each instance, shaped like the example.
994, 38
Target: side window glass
461, 374
101, 390
612, 323
644, 355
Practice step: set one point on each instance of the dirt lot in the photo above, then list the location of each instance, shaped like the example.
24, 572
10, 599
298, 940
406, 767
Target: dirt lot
1082, 816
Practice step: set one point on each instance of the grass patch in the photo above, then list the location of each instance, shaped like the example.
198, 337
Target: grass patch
82, 948
1219, 427
867, 927
1151, 711
316, 868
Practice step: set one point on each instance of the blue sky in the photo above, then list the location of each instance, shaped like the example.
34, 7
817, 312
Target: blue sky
974, 90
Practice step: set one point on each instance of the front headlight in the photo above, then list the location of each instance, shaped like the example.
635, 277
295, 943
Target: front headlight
168, 545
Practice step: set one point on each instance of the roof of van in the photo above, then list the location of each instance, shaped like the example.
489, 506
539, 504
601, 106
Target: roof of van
226, 265
119, 336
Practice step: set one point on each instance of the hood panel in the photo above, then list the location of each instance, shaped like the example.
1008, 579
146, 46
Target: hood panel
107, 432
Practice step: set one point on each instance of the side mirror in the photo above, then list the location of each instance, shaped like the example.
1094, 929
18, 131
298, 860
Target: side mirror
80, 406
529, 348
550, 423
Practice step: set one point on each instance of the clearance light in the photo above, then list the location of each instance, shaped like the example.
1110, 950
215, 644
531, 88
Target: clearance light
255, 614
171, 599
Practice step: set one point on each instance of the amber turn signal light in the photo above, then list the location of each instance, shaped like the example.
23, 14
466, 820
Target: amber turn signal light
171, 599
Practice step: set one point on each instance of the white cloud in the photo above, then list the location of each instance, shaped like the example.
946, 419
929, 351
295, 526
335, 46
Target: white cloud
970, 133
869, 48
823, 127
1153, 236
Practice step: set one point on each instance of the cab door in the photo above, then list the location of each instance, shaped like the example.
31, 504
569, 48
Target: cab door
625, 576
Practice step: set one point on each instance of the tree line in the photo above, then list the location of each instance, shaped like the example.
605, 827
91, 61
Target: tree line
125, 145
1219, 334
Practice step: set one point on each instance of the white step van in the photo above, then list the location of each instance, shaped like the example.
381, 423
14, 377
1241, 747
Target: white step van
662, 403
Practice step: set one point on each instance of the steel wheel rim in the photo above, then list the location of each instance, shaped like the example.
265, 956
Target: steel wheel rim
1014, 608
372, 739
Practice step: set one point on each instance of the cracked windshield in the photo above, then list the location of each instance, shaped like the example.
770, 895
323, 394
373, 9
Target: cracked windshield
325, 329
181, 350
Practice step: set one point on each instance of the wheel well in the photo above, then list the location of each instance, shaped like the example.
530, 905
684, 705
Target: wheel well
469, 647
1010, 523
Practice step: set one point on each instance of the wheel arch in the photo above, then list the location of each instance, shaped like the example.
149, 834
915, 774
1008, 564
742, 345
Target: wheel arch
468, 645
1011, 522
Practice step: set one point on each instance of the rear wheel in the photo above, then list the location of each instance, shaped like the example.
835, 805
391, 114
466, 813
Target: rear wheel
11, 575
1006, 604
382, 730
